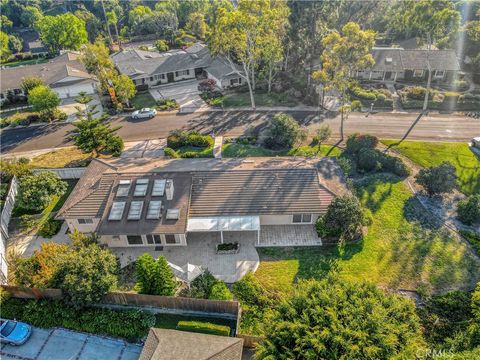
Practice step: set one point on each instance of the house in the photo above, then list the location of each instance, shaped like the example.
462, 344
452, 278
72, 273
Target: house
398, 64
149, 68
165, 344
65, 74
163, 202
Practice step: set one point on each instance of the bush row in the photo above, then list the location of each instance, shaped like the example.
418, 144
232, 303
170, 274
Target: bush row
131, 325
178, 139
26, 118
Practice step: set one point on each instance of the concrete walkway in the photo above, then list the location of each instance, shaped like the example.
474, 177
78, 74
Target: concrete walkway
144, 149
217, 147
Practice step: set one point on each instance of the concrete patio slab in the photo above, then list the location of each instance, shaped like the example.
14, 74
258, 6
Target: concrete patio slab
200, 251
62, 344
144, 149
185, 93
288, 235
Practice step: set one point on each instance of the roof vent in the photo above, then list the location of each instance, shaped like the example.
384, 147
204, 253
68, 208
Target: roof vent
172, 214
169, 189
388, 60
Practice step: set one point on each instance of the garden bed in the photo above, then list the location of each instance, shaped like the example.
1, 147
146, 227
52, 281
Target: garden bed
227, 248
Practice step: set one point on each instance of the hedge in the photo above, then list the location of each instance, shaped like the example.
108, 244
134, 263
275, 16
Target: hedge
203, 327
178, 139
131, 325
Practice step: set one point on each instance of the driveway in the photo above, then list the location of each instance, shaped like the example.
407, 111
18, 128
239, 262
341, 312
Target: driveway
69, 106
61, 344
185, 93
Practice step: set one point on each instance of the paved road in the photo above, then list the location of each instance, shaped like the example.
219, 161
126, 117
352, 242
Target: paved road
436, 127
61, 344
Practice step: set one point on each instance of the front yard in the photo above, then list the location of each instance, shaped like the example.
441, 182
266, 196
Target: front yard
245, 150
427, 154
261, 99
400, 251
66, 157
143, 100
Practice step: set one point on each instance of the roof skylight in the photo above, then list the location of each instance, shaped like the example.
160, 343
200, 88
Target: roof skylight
158, 187
141, 187
116, 212
123, 187
173, 214
135, 211
154, 208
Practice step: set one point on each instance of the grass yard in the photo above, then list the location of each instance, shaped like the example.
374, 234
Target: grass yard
399, 251
240, 150
25, 62
201, 152
143, 100
206, 325
427, 154
67, 157
264, 99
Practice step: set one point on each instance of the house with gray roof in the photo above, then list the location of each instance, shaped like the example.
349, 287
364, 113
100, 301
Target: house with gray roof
398, 64
150, 68
165, 344
65, 74
160, 203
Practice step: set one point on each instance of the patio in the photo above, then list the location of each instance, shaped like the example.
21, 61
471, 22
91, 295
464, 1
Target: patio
289, 235
200, 251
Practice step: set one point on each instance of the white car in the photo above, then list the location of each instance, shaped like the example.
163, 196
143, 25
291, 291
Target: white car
144, 113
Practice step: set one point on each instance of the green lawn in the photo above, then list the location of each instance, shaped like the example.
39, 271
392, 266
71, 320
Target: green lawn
427, 154
398, 251
201, 152
171, 321
240, 150
25, 62
264, 99
143, 100
67, 157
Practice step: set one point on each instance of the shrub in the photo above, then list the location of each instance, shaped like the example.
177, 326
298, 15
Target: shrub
468, 210
364, 94
356, 105
473, 238
154, 277
203, 327
131, 325
207, 85
346, 165
172, 153
322, 134
220, 291
177, 139
37, 191
357, 142
167, 104
416, 92
250, 292
114, 145
189, 155
343, 218
206, 286
370, 160
437, 179
50, 228
161, 45
216, 101
284, 132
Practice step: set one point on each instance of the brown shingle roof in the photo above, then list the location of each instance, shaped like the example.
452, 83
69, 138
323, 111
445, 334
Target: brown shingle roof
258, 192
163, 344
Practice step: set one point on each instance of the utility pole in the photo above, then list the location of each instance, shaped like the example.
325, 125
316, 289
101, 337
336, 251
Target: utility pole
106, 21
425, 102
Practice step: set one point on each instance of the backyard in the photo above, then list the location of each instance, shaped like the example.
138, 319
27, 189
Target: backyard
427, 154
402, 250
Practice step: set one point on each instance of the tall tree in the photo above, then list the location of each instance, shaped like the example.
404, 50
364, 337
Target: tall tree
154, 277
344, 54
60, 32
44, 100
4, 49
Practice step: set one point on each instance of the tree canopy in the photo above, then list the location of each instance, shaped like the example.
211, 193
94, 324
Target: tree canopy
43, 99
154, 277
36, 191
332, 319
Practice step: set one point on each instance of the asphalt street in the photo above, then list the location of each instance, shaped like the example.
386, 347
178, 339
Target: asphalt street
433, 127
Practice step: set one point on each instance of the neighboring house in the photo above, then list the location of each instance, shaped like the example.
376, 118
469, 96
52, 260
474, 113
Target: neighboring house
398, 64
150, 68
162, 202
164, 344
65, 74
32, 43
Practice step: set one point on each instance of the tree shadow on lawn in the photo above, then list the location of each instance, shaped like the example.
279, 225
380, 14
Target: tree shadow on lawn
367, 190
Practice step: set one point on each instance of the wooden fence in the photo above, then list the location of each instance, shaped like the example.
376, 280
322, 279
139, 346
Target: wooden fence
225, 309
5, 219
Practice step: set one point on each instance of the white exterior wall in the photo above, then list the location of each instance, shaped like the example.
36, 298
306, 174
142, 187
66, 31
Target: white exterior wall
85, 228
191, 75
282, 220
219, 83
75, 89
121, 241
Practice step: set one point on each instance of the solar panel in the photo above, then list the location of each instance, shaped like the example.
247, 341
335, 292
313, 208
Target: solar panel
135, 210
158, 187
172, 214
123, 187
116, 211
141, 187
154, 208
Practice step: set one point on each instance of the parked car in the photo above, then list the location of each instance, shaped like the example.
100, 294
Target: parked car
476, 142
144, 113
14, 332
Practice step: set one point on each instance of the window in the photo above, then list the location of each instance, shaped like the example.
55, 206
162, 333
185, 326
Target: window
302, 218
154, 208
151, 78
417, 73
182, 73
141, 187
123, 188
85, 221
135, 211
134, 240
158, 187
439, 73
154, 239
235, 81
116, 211
170, 239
